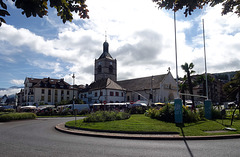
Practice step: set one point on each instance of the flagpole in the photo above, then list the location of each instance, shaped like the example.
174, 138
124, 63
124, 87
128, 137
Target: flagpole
205, 60
176, 52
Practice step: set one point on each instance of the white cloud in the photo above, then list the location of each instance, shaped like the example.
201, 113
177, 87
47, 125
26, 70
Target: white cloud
140, 36
17, 82
9, 91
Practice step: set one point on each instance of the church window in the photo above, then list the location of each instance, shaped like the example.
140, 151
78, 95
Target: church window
111, 94
110, 69
139, 97
99, 69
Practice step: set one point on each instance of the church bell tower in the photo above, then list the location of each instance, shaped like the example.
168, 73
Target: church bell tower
105, 65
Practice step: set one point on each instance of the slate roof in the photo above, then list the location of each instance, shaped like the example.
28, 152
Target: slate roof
144, 83
105, 55
105, 83
48, 82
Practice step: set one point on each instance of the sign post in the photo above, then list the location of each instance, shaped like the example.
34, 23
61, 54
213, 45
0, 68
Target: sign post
178, 111
208, 109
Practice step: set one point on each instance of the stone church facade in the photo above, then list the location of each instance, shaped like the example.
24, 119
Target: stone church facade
106, 88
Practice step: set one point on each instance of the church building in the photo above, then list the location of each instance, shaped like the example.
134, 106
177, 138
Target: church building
107, 89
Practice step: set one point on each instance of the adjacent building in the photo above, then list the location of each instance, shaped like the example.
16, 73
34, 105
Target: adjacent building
46, 91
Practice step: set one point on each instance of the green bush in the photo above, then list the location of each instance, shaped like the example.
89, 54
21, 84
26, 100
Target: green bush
8, 110
102, 116
137, 110
166, 114
216, 114
16, 116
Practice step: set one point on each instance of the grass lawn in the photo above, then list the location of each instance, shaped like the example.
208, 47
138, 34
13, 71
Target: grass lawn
141, 123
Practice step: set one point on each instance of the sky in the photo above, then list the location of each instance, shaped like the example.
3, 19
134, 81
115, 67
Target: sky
140, 37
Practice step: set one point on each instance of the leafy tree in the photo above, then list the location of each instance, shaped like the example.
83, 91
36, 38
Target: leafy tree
40, 8
190, 6
201, 80
232, 88
188, 69
183, 88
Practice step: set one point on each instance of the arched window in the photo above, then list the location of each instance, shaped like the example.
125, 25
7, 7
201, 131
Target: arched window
110, 69
99, 69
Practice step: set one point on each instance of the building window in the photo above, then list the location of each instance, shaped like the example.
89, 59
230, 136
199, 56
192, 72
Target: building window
99, 69
96, 94
55, 100
122, 94
116, 94
139, 97
111, 94
49, 92
68, 92
49, 98
101, 93
85, 95
42, 98
43, 91
111, 69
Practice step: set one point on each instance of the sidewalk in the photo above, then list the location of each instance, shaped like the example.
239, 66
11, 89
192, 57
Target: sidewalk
61, 127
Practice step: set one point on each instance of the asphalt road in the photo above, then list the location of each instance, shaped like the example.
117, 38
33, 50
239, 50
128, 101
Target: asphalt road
39, 138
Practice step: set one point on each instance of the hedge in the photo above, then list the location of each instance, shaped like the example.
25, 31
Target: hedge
16, 116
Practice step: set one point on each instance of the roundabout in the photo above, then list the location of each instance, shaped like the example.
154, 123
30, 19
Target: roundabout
40, 138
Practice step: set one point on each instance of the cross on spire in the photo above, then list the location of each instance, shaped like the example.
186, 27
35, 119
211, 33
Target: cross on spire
105, 35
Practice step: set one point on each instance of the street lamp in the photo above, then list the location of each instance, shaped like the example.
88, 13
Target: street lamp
73, 76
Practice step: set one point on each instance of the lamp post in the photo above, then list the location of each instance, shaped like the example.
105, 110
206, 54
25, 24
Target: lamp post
73, 76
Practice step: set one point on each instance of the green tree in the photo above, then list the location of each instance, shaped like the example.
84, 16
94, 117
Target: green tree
64, 8
190, 6
232, 90
183, 88
201, 80
232, 87
188, 69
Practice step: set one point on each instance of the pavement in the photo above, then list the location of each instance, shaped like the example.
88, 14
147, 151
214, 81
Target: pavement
143, 136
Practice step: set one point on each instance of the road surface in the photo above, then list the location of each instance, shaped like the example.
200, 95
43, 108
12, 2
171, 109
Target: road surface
39, 138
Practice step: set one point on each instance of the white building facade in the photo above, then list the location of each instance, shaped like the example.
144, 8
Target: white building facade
46, 91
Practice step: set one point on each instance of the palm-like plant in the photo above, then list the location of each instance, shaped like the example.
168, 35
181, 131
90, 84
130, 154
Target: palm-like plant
189, 70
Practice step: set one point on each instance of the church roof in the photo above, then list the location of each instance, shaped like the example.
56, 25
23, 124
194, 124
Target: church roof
104, 84
105, 53
151, 82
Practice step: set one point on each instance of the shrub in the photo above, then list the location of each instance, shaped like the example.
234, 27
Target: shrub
216, 114
16, 116
137, 110
8, 110
102, 116
166, 114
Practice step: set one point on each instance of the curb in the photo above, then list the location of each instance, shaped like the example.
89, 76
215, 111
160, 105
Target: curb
61, 127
